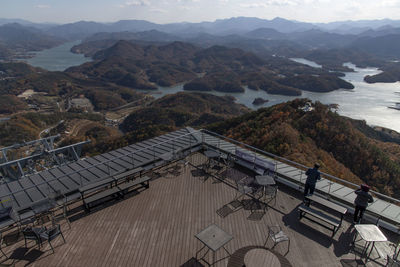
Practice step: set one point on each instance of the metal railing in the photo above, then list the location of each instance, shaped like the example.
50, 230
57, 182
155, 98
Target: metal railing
302, 168
172, 141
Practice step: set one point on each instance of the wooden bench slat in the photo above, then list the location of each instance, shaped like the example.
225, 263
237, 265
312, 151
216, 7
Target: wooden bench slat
125, 186
99, 196
320, 215
128, 173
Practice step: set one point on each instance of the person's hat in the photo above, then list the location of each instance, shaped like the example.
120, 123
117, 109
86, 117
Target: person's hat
316, 165
365, 187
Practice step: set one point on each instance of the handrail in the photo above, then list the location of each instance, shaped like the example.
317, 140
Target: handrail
98, 164
275, 157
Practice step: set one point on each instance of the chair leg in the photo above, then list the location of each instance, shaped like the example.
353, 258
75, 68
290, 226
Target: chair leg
288, 247
3, 253
62, 237
266, 241
51, 246
69, 223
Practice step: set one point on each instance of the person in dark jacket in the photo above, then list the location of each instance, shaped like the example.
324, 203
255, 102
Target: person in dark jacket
361, 202
313, 175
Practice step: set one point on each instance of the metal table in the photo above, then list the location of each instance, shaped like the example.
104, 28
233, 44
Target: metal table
211, 155
213, 238
44, 208
370, 233
264, 181
260, 257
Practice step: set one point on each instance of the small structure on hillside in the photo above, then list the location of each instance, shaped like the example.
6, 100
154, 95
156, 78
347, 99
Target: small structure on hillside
81, 104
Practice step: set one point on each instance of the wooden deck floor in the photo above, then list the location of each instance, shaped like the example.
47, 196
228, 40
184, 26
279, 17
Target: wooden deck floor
157, 226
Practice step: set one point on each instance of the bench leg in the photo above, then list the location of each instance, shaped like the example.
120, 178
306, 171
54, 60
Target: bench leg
334, 231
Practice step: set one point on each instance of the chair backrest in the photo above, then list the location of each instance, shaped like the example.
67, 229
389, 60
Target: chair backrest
271, 190
53, 232
5, 213
13, 214
392, 262
241, 188
29, 233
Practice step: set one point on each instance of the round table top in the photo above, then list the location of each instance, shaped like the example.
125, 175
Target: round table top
260, 257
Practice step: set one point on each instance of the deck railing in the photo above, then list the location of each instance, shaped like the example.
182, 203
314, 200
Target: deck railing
302, 168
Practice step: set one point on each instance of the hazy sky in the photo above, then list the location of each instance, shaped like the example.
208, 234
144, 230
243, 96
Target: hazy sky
165, 11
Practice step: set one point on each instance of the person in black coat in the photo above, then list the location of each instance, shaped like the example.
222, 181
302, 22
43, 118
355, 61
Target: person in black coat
361, 202
313, 175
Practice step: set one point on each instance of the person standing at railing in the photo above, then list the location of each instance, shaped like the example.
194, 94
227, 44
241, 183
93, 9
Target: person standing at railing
361, 202
313, 175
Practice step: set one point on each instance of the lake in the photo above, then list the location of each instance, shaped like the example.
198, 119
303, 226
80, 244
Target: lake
368, 102
57, 58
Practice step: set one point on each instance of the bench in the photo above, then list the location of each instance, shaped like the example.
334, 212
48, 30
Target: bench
128, 174
305, 210
257, 164
95, 193
327, 204
94, 199
143, 181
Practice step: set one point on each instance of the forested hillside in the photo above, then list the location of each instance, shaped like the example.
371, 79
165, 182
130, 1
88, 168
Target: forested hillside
320, 135
215, 68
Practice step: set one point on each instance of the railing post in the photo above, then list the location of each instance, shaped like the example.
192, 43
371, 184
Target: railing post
329, 190
80, 178
301, 176
108, 168
254, 161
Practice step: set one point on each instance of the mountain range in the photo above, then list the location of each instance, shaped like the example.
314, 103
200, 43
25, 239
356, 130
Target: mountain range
277, 36
221, 26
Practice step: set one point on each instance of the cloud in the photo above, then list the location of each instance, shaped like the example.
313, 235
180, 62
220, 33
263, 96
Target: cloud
159, 10
42, 6
268, 3
135, 3
388, 3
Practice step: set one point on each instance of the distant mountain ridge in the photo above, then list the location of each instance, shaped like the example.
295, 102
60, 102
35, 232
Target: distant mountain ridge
234, 25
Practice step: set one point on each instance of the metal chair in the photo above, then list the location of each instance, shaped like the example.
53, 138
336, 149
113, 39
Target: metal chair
270, 192
51, 234
277, 235
60, 199
243, 190
33, 234
1, 244
392, 262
